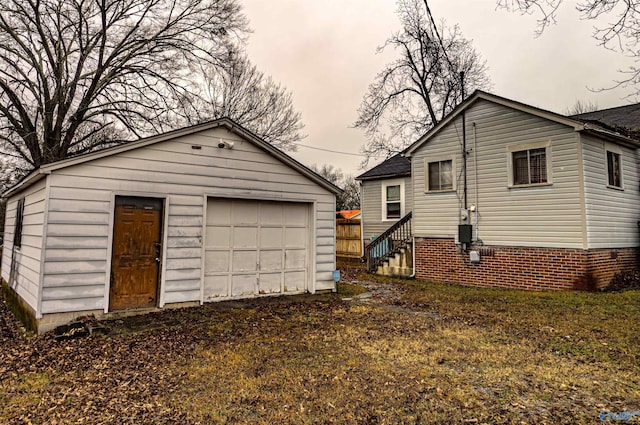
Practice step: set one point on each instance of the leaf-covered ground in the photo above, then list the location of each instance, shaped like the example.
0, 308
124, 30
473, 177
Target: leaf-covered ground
403, 352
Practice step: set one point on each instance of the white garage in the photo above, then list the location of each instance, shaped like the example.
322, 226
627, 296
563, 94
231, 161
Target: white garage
206, 213
256, 247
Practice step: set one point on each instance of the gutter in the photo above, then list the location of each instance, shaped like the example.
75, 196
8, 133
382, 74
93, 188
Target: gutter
31, 178
413, 254
609, 135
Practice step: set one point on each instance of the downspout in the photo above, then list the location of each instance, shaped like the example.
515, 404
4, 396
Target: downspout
475, 168
465, 188
362, 251
413, 254
464, 158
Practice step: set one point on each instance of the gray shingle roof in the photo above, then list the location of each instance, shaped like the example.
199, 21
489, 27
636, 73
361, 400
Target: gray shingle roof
622, 119
396, 166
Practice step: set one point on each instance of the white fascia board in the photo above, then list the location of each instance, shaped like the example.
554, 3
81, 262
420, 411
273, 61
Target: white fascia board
222, 122
480, 95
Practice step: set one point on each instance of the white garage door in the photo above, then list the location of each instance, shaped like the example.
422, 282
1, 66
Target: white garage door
255, 247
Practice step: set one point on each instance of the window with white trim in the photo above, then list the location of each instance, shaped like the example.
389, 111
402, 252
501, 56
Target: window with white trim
530, 164
440, 174
392, 200
614, 169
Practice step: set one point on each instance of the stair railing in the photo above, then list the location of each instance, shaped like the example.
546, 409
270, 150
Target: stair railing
388, 243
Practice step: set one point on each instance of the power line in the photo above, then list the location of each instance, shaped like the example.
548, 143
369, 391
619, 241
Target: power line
338, 152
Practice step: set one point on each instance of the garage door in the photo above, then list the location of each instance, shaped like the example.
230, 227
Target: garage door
255, 247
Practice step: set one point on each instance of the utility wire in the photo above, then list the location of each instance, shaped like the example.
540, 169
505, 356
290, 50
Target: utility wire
435, 29
338, 152
444, 49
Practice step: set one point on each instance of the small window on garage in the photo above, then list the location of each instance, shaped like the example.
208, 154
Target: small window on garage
392, 199
17, 237
614, 169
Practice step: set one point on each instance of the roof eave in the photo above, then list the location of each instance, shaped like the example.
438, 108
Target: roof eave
477, 95
384, 176
315, 177
31, 178
611, 136
221, 122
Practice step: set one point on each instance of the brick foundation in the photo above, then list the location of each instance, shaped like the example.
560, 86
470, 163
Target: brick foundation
440, 260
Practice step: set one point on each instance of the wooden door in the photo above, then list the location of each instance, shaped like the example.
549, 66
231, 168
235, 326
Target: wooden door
136, 253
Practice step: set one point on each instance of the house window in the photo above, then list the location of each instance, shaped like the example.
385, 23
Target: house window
529, 164
440, 175
392, 200
613, 169
17, 237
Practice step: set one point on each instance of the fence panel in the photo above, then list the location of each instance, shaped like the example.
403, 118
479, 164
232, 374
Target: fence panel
348, 238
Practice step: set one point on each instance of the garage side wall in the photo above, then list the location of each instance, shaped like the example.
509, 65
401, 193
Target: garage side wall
21, 265
183, 172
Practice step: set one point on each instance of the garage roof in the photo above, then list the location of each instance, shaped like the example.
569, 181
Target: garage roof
227, 123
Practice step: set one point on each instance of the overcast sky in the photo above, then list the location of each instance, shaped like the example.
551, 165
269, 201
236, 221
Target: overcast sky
324, 52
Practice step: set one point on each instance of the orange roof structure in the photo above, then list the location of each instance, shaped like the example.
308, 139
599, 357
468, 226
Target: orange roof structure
348, 213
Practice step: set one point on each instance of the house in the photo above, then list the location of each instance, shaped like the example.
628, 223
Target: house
509, 195
387, 195
200, 214
387, 199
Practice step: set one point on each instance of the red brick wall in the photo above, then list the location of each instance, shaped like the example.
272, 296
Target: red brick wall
440, 260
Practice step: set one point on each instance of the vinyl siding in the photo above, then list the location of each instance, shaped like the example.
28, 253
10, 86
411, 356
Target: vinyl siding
28, 256
544, 216
373, 225
81, 213
612, 214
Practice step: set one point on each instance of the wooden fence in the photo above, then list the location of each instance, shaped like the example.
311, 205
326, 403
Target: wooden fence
348, 238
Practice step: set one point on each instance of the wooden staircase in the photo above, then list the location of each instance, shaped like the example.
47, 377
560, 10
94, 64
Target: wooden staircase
398, 264
391, 253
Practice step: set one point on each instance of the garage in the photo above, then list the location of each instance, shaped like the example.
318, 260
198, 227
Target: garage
205, 213
256, 247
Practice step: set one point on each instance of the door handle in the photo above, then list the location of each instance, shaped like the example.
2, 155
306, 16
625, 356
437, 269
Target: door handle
157, 259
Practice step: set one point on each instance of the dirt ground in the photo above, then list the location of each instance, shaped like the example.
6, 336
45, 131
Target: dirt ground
380, 351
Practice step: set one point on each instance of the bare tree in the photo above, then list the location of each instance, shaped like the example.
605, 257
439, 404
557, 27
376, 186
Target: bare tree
581, 107
350, 198
73, 72
617, 25
416, 91
243, 93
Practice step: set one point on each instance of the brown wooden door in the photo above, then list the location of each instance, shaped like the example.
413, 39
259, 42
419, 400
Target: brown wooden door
136, 253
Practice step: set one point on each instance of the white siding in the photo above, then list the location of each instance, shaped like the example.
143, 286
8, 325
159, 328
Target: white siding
76, 249
372, 222
28, 256
612, 214
81, 205
546, 216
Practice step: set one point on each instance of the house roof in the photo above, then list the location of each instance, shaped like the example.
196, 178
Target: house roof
396, 166
585, 126
227, 123
348, 213
623, 119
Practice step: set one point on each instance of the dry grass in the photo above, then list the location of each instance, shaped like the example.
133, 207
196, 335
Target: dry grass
441, 354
